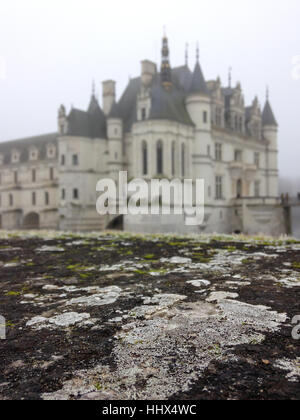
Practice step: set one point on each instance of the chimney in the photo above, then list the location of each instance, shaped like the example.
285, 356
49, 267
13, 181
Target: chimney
108, 95
148, 72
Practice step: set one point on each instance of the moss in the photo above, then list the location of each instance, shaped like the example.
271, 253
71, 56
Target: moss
296, 265
149, 256
12, 293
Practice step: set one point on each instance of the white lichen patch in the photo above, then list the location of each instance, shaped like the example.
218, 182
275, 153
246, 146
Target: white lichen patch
63, 320
292, 366
219, 296
199, 283
290, 282
47, 248
105, 296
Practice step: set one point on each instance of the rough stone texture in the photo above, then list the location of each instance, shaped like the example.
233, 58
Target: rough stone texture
155, 317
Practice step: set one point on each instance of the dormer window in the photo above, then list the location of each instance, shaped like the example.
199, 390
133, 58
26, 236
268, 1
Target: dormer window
50, 151
15, 156
33, 153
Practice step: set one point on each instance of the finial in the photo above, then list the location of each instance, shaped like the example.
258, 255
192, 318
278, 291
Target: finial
197, 52
93, 87
229, 76
186, 54
164, 31
267, 93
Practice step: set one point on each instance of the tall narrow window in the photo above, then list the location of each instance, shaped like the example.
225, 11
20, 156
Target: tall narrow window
63, 194
75, 160
16, 177
219, 187
145, 158
33, 198
173, 152
218, 152
11, 200
256, 159
62, 160
159, 157
51, 174
33, 175
257, 188
75, 194
239, 186
183, 160
205, 117
143, 114
46, 198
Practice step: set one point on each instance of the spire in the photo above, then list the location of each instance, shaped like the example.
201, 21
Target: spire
187, 54
197, 52
198, 84
165, 64
268, 117
229, 76
93, 87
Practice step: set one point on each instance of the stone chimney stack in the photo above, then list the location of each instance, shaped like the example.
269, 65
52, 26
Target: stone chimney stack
148, 72
108, 95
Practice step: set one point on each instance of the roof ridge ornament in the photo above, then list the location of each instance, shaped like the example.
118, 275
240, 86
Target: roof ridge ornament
229, 76
187, 54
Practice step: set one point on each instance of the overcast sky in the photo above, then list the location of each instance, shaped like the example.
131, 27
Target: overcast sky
51, 50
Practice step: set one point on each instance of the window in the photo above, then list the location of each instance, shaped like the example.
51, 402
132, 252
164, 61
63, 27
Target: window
219, 116
145, 158
205, 117
159, 157
63, 194
46, 198
75, 160
218, 152
183, 160
219, 187
63, 160
238, 156
239, 187
33, 198
75, 194
209, 191
257, 189
11, 200
143, 114
16, 177
173, 153
208, 150
33, 175
51, 174
256, 159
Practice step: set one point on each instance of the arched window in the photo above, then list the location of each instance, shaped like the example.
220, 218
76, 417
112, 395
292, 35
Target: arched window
159, 157
145, 158
182, 159
173, 152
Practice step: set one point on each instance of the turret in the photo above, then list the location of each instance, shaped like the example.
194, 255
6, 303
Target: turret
198, 99
270, 131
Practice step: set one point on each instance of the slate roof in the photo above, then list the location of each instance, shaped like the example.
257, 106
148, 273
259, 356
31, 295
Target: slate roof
165, 104
90, 123
198, 84
23, 145
268, 117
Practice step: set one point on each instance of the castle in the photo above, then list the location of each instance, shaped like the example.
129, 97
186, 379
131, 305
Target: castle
170, 124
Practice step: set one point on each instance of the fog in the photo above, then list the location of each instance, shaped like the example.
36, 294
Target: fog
50, 51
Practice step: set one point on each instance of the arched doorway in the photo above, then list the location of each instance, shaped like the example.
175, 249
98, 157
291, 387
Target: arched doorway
31, 221
116, 223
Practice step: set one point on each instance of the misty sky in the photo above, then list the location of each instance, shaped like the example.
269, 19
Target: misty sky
51, 50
